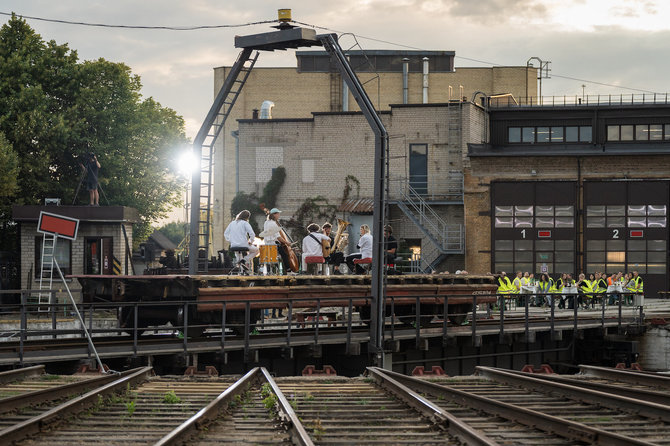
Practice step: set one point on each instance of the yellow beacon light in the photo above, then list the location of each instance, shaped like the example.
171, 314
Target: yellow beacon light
284, 15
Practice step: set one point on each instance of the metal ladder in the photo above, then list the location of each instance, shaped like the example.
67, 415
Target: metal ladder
204, 144
46, 271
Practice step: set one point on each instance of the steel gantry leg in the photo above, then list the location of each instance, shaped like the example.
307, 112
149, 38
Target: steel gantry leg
329, 42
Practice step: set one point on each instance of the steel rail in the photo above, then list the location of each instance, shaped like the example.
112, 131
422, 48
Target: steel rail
569, 429
18, 374
627, 376
436, 414
638, 394
34, 425
185, 431
50, 394
644, 408
287, 414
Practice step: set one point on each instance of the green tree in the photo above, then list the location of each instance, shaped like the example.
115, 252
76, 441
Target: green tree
54, 109
174, 231
9, 171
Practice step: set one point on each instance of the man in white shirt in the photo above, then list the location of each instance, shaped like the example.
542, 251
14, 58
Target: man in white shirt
240, 235
311, 244
365, 246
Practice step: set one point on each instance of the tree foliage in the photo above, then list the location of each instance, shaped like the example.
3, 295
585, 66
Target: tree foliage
174, 231
55, 108
9, 170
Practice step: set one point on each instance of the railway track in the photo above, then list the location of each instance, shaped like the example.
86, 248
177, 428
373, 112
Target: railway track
495, 407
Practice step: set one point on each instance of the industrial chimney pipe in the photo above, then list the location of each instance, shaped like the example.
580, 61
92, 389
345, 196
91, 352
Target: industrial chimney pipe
425, 80
405, 75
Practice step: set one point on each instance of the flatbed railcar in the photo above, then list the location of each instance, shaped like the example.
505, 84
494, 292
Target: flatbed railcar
208, 292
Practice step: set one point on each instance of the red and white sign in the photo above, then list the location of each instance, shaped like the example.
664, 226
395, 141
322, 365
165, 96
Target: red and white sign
637, 233
543, 234
59, 225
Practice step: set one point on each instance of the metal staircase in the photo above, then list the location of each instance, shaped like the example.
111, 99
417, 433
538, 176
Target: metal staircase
203, 146
444, 239
46, 271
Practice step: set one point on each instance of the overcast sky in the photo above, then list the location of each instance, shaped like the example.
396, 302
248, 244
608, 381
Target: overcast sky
617, 42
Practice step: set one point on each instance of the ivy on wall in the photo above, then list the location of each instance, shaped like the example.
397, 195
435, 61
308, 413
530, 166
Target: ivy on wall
251, 201
313, 210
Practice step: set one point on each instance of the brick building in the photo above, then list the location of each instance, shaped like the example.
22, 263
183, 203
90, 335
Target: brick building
100, 240
574, 188
427, 148
314, 86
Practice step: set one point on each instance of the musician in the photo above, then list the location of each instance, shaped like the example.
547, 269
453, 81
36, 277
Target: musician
240, 234
336, 257
311, 244
365, 246
390, 245
271, 235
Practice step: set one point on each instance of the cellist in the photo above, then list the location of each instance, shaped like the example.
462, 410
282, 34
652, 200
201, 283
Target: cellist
272, 235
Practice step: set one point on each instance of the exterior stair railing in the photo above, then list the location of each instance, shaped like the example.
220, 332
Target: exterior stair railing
445, 238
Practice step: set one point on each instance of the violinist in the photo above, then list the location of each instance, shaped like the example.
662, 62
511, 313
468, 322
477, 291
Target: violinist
272, 235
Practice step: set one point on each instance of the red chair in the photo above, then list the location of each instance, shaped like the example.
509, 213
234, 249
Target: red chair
319, 262
364, 263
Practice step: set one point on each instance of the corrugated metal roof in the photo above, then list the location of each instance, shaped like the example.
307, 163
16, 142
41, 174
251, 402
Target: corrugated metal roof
357, 205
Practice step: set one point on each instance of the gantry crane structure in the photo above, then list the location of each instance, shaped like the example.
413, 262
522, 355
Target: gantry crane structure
286, 37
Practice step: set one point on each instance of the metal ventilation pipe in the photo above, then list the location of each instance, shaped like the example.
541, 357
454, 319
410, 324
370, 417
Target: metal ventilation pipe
425, 80
266, 109
405, 76
345, 96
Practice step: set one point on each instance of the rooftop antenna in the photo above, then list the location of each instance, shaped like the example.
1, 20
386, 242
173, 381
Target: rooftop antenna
543, 71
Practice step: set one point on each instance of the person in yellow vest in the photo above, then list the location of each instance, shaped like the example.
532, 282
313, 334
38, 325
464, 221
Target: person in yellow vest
635, 285
505, 287
569, 298
543, 290
525, 281
586, 289
517, 282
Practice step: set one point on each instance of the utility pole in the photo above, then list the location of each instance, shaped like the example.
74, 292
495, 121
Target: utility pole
543, 71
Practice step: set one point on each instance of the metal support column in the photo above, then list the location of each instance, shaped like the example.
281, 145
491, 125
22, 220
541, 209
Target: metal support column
330, 44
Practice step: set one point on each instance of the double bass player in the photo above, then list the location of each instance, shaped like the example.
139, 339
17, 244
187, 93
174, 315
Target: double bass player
272, 235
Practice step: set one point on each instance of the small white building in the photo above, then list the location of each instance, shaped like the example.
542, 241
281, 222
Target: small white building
103, 243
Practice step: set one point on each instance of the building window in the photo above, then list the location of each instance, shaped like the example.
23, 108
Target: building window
610, 256
612, 132
585, 133
631, 216
542, 135
307, 171
546, 135
638, 132
655, 132
528, 134
541, 217
557, 134
514, 134
532, 255
63, 256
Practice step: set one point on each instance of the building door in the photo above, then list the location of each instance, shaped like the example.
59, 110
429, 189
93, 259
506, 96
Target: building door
534, 227
98, 255
418, 168
625, 229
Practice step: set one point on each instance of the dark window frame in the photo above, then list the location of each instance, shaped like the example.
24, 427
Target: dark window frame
38, 256
665, 132
551, 139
